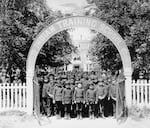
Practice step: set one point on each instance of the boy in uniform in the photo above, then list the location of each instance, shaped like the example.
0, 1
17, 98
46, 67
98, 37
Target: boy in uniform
112, 94
100, 98
57, 94
90, 100
107, 106
45, 97
79, 100
67, 99
50, 93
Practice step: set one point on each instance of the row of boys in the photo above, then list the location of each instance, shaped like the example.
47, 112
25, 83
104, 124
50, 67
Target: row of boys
70, 100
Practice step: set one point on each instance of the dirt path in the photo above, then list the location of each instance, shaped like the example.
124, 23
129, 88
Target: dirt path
24, 121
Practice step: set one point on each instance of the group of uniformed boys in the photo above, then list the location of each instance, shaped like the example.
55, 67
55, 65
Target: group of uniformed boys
84, 96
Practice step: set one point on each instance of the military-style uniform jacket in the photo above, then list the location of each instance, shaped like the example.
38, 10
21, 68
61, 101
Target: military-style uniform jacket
91, 96
57, 94
45, 90
106, 90
85, 84
67, 96
51, 89
100, 93
112, 92
79, 95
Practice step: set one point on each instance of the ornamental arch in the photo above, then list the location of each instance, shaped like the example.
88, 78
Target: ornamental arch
77, 21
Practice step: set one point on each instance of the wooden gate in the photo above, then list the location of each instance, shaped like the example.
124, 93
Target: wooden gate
121, 108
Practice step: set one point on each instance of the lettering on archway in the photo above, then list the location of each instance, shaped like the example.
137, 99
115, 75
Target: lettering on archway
70, 22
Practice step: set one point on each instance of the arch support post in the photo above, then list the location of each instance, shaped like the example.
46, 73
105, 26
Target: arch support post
29, 94
128, 89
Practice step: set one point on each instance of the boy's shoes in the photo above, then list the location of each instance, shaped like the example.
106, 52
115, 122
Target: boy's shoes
49, 115
58, 117
78, 117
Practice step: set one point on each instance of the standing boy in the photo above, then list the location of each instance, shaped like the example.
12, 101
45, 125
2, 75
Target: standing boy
112, 93
100, 99
58, 99
45, 97
91, 99
67, 99
79, 100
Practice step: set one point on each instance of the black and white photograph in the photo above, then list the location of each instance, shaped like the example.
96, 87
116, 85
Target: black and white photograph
74, 63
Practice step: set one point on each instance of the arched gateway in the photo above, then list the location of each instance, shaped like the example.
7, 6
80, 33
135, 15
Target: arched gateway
77, 21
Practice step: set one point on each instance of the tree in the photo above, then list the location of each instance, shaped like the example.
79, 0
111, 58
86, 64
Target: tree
131, 19
56, 52
20, 24
106, 54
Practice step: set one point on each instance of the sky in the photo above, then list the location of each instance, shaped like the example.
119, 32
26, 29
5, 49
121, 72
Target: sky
65, 5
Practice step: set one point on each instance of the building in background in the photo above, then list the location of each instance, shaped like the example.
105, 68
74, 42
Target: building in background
81, 38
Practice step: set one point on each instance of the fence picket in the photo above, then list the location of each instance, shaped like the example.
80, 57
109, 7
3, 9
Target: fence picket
12, 96
142, 96
16, 97
7, 98
4, 96
23, 96
138, 94
20, 98
134, 94
146, 95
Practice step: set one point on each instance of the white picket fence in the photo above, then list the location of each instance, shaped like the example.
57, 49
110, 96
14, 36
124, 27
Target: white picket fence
13, 97
141, 93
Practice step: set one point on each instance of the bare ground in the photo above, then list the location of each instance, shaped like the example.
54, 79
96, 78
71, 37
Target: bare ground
21, 120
